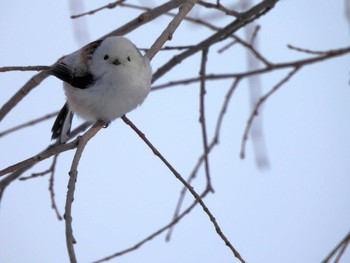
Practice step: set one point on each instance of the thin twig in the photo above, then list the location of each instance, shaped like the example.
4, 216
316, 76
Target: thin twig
341, 252
153, 235
187, 18
51, 188
35, 175
39, 157
255, 110
275, 66
145, 17
168, 32
213, 143
254, 35
18, 172
202, 119
91, 12
206, 150
189, 187
341, 246
169, 48
29, 123
24, 68
220, 7
22, 92
50, 171
255, 92
307, 51
245, 18
255, 52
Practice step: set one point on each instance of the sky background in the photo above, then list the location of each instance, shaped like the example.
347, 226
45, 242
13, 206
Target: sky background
297, 210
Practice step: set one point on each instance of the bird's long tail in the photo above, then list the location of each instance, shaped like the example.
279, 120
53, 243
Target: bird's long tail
61, 128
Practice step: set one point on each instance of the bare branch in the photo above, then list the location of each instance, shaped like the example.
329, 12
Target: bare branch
51, 188
189, 187
167, 34
213, 143
257, 106
108, 6
155, 234
24, 68
255, 92
17, 173
256, 53
275, 66
29, 123
243, 19
307, 51
22, 92
73, 173
340, 248
202, 118
220, 7
55, 149
145, 18
50, 171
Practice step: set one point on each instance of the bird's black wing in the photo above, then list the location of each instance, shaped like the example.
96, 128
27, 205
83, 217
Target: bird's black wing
81, 81
61, 71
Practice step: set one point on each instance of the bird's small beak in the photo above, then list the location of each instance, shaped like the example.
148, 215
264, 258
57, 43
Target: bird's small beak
116, 62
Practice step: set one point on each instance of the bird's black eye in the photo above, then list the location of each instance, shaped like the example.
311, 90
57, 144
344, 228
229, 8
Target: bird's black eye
105, 57
129, 58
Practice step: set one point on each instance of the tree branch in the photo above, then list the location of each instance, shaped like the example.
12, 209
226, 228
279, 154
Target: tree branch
29, 123
145, 18
73, 173
24, 68
153, 235
255, 110
167, 34
189, 187
241, 21
22, 92
341, 247
202, 119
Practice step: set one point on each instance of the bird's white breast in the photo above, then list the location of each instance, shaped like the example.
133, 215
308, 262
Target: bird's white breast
113, 94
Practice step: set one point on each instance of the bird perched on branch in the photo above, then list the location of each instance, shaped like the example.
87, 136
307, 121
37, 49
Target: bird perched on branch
102, 81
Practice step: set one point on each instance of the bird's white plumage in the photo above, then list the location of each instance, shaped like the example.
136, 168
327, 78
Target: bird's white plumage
104, 80
118, 88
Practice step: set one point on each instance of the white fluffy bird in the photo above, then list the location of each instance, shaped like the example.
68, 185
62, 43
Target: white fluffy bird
102, 81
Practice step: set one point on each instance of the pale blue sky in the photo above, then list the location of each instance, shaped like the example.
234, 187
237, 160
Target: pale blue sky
296, 211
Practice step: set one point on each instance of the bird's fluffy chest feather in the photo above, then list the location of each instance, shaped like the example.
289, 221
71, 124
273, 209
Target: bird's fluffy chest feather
111, 96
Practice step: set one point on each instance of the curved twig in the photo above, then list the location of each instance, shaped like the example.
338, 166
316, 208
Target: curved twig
188, 186
255, 110
73, 173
